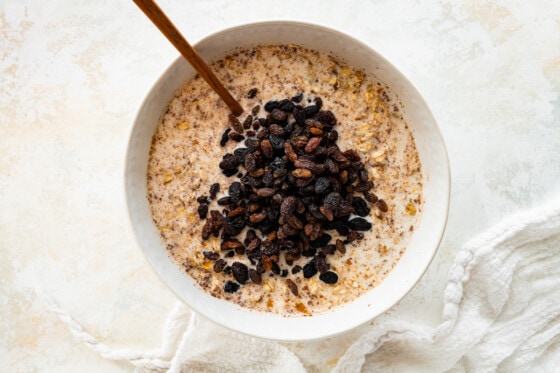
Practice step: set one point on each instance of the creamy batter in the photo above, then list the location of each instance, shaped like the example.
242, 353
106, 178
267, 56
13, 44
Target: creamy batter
184, 163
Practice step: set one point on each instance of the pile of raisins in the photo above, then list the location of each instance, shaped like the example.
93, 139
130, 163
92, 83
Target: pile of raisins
293, 184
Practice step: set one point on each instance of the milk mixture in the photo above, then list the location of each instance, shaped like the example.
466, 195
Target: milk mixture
186, 151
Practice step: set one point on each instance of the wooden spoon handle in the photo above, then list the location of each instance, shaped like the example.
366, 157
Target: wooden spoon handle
158, 18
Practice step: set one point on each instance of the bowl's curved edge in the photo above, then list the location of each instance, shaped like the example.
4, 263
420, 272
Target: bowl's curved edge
261, 333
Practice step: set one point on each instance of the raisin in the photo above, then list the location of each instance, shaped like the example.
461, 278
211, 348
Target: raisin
219, 265
235, 191
235, 123
292, 286
277, 142
265, 192
325, 117
329, 214
331, 166
252, 93
286, 105
229, 162
268, 177
322, 185
309, 270
252, 144
278, 166
266, 148
236, 212
321, 264
254, 244
340, 247
299, 115
263, 134
297, 98
352, 155
327, 250
309, 253
231, 244
296, 269
240, 272
211, 255
364, 187
342, 230
257, 218
271, 105
332, 136
382, 205
237, 137
231, 287
225, 137
313, 144
202, 210
322, 240
275, 268
359, 224
309, 164
247, 123
278, 116
315, 213
360, 206
332, 201
363, 175
250, 163
255, 276
241, 152
329, 277
276, 130
288, 206
249, 236
294, 222
225, 201
289, 150
289, 128
302, 173
229, 173
214, 189
318, 101
310, 110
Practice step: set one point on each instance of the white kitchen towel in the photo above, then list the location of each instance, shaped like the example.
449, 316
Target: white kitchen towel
501, 314
501, 308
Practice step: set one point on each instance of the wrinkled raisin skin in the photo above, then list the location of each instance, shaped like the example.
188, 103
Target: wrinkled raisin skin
240, 272
309, 270
231, 287
329, 277
252, 93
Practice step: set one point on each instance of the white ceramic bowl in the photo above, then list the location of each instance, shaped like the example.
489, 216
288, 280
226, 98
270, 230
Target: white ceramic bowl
423, 244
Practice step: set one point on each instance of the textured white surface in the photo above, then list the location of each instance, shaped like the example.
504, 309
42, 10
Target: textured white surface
74, 72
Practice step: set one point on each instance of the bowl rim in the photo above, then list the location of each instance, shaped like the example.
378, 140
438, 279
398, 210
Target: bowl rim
445, 200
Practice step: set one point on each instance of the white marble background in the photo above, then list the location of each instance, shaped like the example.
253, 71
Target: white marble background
74, 72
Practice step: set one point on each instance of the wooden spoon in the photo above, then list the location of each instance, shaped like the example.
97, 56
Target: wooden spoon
158, 18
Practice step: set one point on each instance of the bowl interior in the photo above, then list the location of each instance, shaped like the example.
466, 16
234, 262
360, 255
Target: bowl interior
423, 244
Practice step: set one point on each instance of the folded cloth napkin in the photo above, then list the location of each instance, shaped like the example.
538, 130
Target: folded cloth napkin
501, 313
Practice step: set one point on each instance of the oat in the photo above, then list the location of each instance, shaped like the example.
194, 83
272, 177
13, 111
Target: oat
366, 124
